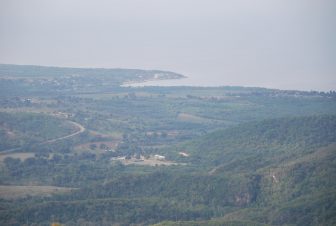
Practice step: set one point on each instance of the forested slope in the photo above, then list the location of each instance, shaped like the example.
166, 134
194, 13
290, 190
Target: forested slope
273, 172
263, 143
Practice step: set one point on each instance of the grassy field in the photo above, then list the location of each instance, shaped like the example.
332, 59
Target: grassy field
22, 156
99, 147
14, 192
151, 161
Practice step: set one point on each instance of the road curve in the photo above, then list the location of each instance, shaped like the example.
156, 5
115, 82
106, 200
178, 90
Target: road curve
81, 129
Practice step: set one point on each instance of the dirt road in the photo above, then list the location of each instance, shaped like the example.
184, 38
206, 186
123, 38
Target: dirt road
81, 129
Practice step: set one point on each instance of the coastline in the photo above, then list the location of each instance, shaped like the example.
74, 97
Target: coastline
145, 82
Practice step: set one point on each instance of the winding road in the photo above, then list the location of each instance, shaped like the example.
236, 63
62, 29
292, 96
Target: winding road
81, 129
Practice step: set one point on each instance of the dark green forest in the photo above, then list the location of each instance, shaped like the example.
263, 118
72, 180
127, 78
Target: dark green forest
77, 148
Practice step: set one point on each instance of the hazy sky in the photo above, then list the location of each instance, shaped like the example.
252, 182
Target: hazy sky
288, 44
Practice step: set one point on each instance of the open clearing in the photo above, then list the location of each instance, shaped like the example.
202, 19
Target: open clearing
145, 162
190, 118
99, 147
14, 192
22, 156
81, 129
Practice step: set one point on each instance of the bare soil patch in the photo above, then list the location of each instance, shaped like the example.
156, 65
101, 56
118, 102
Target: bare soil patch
190, 118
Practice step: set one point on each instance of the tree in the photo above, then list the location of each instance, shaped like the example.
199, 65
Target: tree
103, 146
93, 146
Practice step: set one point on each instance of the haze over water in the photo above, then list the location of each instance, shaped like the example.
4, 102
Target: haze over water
282, 44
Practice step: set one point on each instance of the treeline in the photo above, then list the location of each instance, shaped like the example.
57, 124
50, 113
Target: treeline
104, 212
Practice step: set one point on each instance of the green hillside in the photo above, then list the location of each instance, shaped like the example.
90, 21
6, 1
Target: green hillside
263, 143
18, 130
273, 172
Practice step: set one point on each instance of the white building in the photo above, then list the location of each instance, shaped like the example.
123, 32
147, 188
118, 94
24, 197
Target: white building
159, 157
